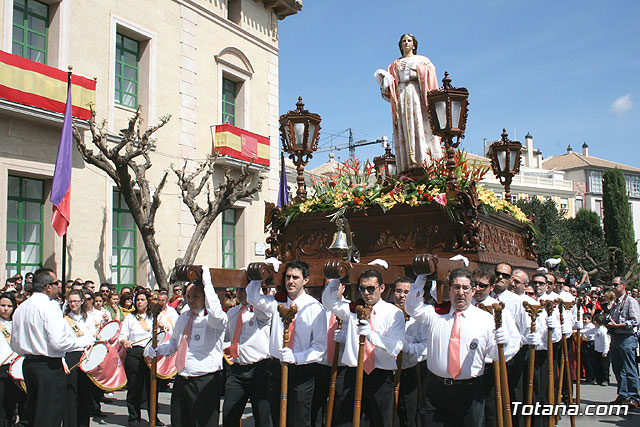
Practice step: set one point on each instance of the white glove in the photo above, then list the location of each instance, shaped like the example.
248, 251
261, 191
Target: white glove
152, 352
286, 355
501, 336
274, 263
364, 329
340, 336
566, 329
579, 324
382, 263
407, 347
534, 339
551, 322
604, 355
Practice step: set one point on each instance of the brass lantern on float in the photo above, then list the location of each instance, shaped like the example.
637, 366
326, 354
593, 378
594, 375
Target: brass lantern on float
505, 161
300, 132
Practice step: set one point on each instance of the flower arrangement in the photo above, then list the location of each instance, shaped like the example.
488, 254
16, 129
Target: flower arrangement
357, 186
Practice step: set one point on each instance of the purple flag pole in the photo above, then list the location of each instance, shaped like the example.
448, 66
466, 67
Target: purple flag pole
283, 191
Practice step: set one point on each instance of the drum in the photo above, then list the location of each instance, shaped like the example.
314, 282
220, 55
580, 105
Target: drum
104, 367
15, 370
165, 365
110, 331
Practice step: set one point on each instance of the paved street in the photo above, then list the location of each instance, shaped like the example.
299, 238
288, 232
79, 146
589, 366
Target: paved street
116, 412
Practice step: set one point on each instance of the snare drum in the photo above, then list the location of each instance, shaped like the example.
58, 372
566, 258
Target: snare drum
15, 370
165, 365
110, 331
104, 367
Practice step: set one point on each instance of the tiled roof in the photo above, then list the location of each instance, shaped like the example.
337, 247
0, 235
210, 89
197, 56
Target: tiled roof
574, 160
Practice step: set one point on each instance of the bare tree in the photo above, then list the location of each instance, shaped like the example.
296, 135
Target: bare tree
126, 159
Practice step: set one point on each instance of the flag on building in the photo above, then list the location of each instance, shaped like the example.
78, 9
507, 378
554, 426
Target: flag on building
283, 191
61, 187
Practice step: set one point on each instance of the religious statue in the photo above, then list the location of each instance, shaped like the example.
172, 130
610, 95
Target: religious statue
405, 85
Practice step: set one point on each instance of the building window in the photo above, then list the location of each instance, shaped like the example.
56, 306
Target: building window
229, 238
579, 203
564, 204
123, 253
633, 185
228, 101
599, 209
514, 199
595, 183
30, 30
25, 203
127, 67
234, 11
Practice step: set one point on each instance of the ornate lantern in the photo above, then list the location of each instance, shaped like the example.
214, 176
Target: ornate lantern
505, 161
300, 131
448, 108
385, 164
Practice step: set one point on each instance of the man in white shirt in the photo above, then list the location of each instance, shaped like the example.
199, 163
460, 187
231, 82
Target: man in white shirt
384, 335
248, 377
414, 349
458, 344
197, 342
307, 344
39, 335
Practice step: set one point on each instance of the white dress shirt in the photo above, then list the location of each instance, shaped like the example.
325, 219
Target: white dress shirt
38, 328
477, 340
414, 346
388, 329
168, 318
132, 331
513, 303
88, 328
310, 342
204, 349
5, 348
253, 345
514, 340
600, 337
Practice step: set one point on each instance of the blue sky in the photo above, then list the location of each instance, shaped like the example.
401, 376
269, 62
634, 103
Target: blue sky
566, 71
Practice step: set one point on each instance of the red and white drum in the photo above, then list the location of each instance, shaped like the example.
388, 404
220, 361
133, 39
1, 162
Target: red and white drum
110, 331
166, 365
15, 370
103, 366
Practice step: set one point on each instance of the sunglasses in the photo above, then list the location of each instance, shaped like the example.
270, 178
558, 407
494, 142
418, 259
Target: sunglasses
530, 293
482, 285
538, 283
368, 289
504, 275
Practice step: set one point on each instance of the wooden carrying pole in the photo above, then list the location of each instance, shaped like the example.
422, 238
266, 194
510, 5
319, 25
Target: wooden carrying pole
549, 306
501, 415
532, 310
578, 353
287, 315
363, 314
153, 383
397, 376
565, 363
334, 376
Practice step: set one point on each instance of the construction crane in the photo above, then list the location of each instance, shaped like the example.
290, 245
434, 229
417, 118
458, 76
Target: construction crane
351, 145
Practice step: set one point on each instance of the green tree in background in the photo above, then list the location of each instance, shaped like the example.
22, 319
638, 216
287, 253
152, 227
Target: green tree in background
549, 224
585, 246
618, 223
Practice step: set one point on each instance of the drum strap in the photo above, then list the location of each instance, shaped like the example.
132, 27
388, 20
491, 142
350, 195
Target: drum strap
74, 326
166, 318
5, 333
143, 322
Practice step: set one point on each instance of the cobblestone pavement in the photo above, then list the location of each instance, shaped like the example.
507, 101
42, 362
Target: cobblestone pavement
116, 411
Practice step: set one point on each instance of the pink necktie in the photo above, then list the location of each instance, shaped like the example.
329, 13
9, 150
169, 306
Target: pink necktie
454, 367
369, 356
233, 350
292, 328
331, 342
181, 354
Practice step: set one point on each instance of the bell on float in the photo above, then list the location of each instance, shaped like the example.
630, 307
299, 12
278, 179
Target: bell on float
340, 242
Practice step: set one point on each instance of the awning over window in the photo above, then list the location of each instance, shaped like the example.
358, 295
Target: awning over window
241, 144
31, 83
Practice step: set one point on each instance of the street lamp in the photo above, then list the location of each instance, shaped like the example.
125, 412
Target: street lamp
505, 161
300, 131
448, 108
385, 164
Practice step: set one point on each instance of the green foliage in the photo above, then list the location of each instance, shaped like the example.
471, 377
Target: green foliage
585, 241
550, 224
618, 223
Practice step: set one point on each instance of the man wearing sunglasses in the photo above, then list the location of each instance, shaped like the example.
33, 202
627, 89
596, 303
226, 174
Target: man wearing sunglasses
39, 335
384, 334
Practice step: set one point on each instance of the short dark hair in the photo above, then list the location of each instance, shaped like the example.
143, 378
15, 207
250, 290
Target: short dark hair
41, 278
300, 265
600, 319
371, 273
539, 274
482, 272
461, 272
97, 295
415, 43
11, 297
403, 279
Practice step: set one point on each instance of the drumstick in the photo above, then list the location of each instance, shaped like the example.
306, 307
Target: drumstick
85, 354
8, 357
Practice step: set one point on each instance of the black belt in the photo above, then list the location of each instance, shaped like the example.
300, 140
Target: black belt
450, 381
39, 357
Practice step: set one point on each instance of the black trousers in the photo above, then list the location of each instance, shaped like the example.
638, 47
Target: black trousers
377, 398
137, 384
540, 383
515, 373
601, 365
199, 399
77, 396
244, 383
460, 404
408, 397
320, 395
489, 385
9, 393
588, 360
300, 393
46, 383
